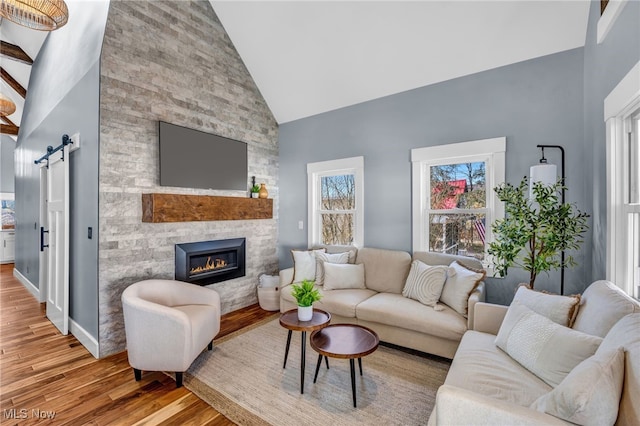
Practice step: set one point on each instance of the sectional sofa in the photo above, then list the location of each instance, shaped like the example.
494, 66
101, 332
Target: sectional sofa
486, 385
381, 306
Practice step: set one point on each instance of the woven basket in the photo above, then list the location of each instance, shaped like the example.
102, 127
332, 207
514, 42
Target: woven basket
269, 298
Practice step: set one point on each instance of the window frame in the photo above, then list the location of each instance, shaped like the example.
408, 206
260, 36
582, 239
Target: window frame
318, 170
491, 151
619, 107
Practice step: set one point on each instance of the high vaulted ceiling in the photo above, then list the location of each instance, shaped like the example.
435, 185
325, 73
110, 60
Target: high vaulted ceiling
308, 57
17, 71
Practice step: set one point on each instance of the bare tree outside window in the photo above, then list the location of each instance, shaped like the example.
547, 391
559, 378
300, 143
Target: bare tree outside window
457, 213
338, 203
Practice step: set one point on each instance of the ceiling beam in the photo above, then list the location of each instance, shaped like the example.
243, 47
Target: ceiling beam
9, 129
6, 120
13, 83
14, 52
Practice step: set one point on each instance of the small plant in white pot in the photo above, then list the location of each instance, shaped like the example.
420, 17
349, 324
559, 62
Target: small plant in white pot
255, 189
305, 294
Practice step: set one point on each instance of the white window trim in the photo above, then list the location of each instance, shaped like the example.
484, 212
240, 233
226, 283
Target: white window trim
622, 101
490, 150
609, 17
353, 165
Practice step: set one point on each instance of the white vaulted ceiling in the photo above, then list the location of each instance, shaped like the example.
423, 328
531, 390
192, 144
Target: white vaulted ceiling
308, 57
30, 41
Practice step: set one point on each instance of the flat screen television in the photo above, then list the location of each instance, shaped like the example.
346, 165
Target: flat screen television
193, 159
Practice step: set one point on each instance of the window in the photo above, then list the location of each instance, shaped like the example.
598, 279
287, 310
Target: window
453, 201
622, 116
336, 202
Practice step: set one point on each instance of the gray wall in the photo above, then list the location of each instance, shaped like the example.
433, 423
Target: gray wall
63, 98
7, 170
173, 61
605, 65
533, 102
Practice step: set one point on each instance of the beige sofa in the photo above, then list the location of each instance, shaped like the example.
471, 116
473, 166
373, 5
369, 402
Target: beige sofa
382, 307
486, 386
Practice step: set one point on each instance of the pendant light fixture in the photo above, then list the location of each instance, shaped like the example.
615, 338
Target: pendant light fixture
7, 107
43, 15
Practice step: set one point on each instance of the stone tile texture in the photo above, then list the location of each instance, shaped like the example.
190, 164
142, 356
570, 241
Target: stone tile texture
172, 61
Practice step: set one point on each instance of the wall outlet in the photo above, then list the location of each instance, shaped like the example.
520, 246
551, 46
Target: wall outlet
75, 138
300, 225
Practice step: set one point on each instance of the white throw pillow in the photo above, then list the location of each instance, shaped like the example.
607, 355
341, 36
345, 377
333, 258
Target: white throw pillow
460, 283
425, 282
304, 264
559, 309
590, 394
321, 258
548, 350
342, 276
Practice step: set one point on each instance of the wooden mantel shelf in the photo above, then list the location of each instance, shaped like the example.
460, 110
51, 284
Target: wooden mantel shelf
158, 208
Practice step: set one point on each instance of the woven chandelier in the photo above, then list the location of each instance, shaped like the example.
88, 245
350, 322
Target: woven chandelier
7, 107
43, 15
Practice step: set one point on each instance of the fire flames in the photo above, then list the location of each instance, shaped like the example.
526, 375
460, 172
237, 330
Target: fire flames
209, 266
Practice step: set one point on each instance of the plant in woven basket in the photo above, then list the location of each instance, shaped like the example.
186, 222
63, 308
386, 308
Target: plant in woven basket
305, 293
535, 230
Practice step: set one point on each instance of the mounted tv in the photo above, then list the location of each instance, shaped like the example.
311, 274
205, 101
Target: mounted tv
193, 159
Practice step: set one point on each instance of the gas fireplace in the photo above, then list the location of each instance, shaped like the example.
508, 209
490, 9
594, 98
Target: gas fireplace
209, 262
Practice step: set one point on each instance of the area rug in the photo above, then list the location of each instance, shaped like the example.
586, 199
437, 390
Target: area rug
243, 378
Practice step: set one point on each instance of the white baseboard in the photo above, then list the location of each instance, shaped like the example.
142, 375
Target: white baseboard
87, 340
35, 291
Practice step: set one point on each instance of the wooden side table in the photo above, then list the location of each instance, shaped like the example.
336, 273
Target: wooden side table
347, 341
289, 320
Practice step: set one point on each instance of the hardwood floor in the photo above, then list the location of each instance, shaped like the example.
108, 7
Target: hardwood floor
48, 378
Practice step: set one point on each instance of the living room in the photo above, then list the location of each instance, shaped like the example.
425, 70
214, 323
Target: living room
138, 63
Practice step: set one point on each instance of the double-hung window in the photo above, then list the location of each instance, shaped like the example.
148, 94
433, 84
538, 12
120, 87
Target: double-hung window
336, 200
453, 200
622, 117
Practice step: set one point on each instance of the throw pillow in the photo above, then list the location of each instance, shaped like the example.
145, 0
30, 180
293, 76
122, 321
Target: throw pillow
342, 276
559, 309
590, 394
321, 258
460, 283
425, 282
548, 350
304, 264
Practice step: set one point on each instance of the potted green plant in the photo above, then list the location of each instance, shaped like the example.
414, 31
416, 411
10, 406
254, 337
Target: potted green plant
535, 229
255, 189
305, 294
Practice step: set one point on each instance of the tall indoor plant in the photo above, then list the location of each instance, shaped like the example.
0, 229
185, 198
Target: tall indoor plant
535, 230
305, 294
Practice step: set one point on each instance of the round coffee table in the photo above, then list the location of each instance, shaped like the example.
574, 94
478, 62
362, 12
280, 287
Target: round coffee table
290, 321
348, 341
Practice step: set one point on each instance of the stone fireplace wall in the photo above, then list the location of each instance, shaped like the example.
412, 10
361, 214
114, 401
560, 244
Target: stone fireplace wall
173, 61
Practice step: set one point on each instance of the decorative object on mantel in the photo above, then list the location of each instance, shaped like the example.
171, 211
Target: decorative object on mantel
263, 193
43, 15
255, 188
7, 107
158, 208
305, 294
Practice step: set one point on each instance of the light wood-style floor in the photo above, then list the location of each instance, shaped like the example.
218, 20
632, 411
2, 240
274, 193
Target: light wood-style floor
45, 373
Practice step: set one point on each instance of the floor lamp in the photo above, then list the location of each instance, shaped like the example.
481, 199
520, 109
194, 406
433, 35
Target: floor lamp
547, 174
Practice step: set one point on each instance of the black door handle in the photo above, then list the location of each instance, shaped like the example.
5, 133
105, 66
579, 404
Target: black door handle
42, 232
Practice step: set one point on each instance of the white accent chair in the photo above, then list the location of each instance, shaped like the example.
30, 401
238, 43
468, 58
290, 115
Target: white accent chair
168, 324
